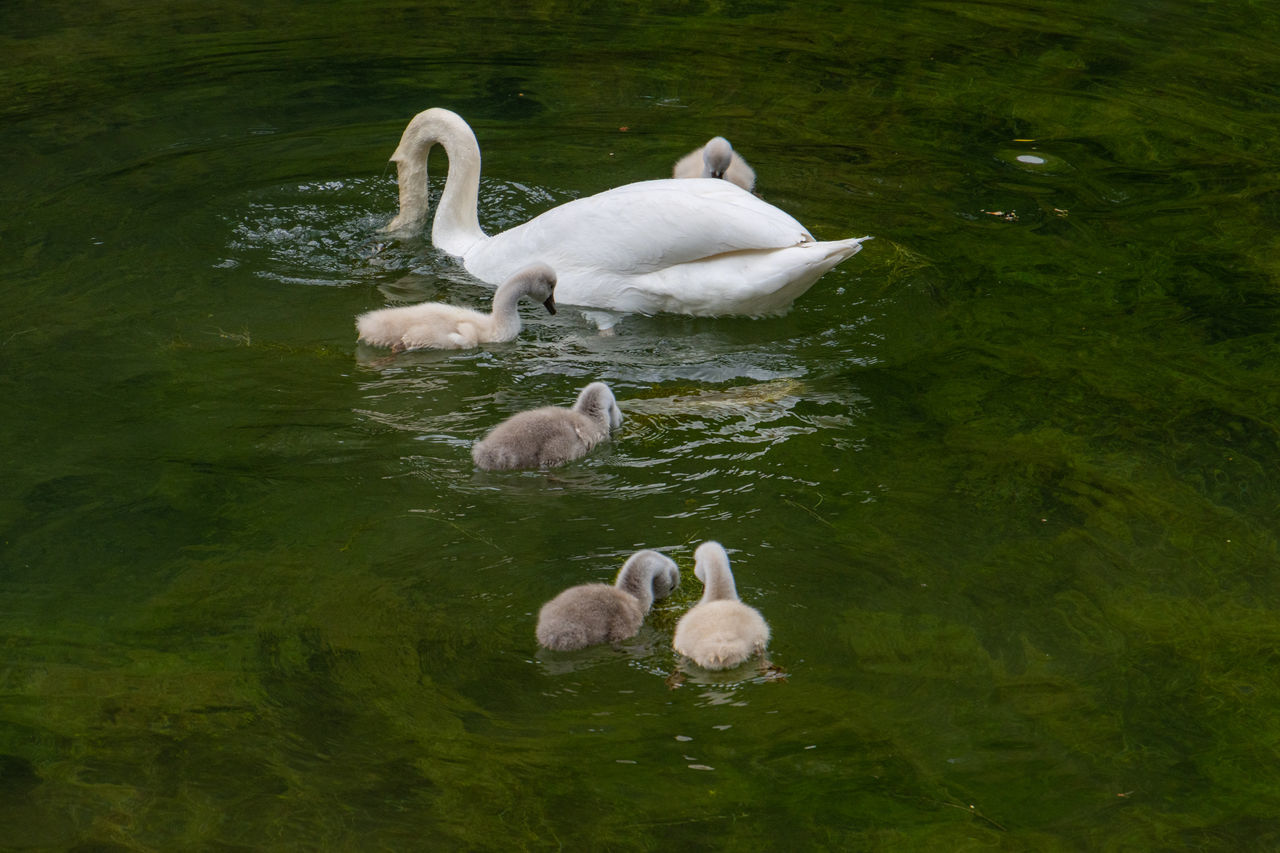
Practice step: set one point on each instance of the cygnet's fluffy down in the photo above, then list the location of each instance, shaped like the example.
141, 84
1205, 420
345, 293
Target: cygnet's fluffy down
549, 436
594, 613
435, 325
719, 631
716, 159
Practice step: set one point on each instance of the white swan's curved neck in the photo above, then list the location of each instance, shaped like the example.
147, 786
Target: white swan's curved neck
456, 228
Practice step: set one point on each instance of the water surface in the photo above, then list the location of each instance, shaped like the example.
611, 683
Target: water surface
1003, 484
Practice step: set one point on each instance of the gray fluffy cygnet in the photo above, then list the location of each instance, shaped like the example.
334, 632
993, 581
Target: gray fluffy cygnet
594, 613
437, 325
719, 631
716, 159
549, 436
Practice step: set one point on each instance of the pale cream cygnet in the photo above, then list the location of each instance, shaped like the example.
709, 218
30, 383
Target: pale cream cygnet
719, 631
436, 325
602, 613
716, 159
550, 435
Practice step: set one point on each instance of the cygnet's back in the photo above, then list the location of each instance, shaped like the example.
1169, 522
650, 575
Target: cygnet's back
438, 325
716, 159
719, 631
550, 436
594, 613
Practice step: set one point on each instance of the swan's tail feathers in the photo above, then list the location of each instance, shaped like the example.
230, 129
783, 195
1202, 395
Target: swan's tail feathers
493, 458
720, 651
840, 250
563, 638
831, 253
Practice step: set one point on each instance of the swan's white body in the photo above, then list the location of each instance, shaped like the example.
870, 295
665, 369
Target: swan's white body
719, 631
550, 436
440, 326
716, 159
704, 246
600, 613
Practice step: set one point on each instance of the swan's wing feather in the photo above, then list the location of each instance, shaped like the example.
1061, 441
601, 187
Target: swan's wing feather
642, 227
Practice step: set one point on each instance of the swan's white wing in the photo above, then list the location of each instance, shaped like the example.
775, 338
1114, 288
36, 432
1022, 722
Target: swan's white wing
752, 283
640, 228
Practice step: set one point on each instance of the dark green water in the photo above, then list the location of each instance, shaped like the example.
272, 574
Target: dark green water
1004, 484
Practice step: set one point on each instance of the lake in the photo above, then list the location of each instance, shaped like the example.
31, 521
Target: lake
1004, 484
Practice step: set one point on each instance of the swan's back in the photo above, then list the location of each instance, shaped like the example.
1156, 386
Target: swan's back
585, 615
538, 438
721, 634
549, 436
597, 613
640, 228
417, 326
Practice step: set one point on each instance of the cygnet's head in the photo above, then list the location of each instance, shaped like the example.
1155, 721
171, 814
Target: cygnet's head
717, 155
538, 281
665, 578
598, 396
708, 553
664, 574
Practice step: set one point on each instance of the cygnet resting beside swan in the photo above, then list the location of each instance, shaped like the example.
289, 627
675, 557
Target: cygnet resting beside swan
719, 631
705, 247
549, 436
599, 613
440, 326
716, 159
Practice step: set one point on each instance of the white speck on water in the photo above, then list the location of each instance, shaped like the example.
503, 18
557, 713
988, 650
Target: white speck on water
1031, 158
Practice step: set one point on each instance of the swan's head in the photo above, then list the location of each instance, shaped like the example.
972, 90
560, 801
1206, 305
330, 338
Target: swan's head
717, 155
666, 577
598, 397
661, 570
615, 414
538, 282
709, 555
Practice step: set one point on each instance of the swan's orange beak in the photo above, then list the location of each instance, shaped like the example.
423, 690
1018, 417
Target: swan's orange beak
550, 304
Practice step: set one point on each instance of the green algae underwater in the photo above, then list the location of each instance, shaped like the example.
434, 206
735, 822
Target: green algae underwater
1004, 484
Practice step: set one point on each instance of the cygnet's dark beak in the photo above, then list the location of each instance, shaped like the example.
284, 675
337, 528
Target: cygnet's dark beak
550, 304
716, 174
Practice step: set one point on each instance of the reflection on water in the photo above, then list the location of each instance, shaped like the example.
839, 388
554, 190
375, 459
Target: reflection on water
315, 234
330, 233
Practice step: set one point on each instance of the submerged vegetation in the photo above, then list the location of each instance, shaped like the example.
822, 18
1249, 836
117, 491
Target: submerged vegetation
1004, 483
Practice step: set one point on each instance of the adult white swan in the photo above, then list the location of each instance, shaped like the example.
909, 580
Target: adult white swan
701, 246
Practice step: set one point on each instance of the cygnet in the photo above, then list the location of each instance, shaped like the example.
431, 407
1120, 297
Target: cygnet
549, 436
716, 159
719, 631
594, 613
436, 325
